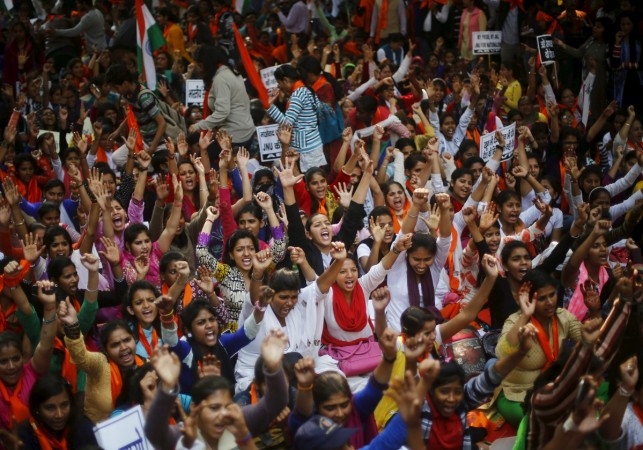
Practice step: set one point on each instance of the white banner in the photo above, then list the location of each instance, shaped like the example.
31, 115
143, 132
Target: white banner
194, 92
269, 145
486, 42
123, 432
488, 143
268, 77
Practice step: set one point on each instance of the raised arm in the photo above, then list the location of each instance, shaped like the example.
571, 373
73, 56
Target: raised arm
165, 240
569, 275
45, 349
326, 279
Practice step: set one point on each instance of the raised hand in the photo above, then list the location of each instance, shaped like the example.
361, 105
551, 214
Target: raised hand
488, 217
591, 296
205, 282
387, 342
182, 145
527, 303
144, 160
261, 261
444, 201
205, 139
224, 139
381, 298
165, 305
526, 338
286, 175
80, 143
420, 197
167, 366
403, 392
264, 201
284, 134
66, 313
305, 372
338, 251
212, 213
629, 370
601, 227
347, 134
469, 215
11, 192
161, 187
142, 266
210, 365
519, 172
111, 253
297, 255
90, 262
345, 192
377, 231
178, 190
490, 265
130, 142
243, 156
272, 349
429, 369
378, 133
30, 248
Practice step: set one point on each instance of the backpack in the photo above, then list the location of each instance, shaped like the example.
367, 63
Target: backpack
175, 122
330, 121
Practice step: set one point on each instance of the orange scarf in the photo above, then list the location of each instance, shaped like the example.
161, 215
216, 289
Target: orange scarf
298, 84
143, 339
14, 280
18, 409
68, 369
543, 340
187, 298
474, 136
101, 156
382, 20
30, 192
46, 440
132, 124
116, 379
454, 281
396, 222
254, 395
4, 316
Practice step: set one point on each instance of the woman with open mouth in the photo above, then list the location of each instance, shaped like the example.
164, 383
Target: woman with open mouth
140, 311
202, 339
109, 371
55, 421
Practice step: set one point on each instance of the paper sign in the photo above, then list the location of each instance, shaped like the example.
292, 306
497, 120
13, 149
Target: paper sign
69, 137
269, 145
194, 92
123, 432
486, 42
488, 143
268, 77
546, 49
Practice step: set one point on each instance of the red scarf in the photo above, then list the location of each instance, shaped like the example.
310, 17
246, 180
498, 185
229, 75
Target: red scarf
350, 317
454, 282
5, 325
46, 440
143, 339
133, 124
382, 20
30, 192
68, 369
18, 409
447, 433
192, 31
116, 379
543, 340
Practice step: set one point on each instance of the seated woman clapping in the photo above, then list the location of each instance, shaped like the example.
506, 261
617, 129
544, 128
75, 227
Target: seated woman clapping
216, 422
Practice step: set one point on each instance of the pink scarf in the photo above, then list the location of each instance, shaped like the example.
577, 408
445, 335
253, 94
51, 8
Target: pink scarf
577, 303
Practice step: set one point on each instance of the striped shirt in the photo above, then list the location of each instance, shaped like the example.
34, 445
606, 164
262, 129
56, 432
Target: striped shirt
302, 115
552, 403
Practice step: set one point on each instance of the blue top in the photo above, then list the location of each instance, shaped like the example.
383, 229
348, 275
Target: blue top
302, 115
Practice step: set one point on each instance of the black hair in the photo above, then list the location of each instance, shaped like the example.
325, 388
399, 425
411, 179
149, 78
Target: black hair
207, 386
56, 267
379, 211
449, 372
211, 57
509, 248
413, 159
405, 142
308, 64
52, 233
328, 384
253, 209
459, 173
235, 237
118, 74
107, 329
134, 391
538, 279
133, 230
10, 339
138, 285
284, 280
53, 183
471, 161
47, 207
422, 240
169, 258
366, 103
413, 319
287, 71
505, 196
22, 158
47, 386
464, 146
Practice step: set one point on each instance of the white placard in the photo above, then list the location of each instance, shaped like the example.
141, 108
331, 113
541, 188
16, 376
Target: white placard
486, 42
488, 143
268, 77
194, 92
123, 432
69, 137
546, 49
269, 145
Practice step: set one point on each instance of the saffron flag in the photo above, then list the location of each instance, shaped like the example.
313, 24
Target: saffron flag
251, 70
149, 38
133, 124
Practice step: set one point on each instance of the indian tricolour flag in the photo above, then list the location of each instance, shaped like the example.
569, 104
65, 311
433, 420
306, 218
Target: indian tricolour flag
242, 6
149, 38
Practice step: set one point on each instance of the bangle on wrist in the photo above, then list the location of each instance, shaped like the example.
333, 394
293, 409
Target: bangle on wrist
306, 388
395, 250
412, 216
260, 308
244, 440
252, 277
48, 321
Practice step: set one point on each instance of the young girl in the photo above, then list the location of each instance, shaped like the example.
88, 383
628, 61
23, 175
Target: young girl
140, 311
